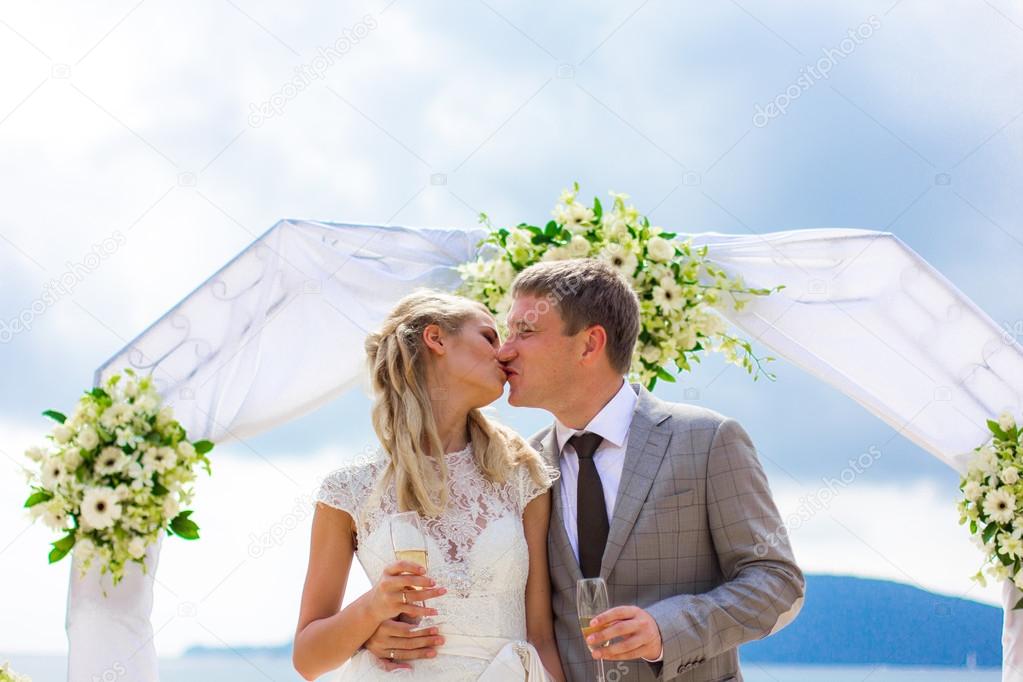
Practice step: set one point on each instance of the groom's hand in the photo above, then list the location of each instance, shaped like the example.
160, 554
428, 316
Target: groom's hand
639, 636
395, 636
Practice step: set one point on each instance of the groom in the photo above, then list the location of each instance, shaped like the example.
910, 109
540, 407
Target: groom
665, 501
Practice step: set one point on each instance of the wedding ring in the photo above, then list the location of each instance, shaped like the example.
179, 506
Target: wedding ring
403, 601
392, 654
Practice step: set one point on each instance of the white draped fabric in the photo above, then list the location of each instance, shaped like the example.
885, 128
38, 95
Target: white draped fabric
278, 331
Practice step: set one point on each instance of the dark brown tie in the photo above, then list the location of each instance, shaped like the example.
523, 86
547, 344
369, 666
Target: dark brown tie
591, 511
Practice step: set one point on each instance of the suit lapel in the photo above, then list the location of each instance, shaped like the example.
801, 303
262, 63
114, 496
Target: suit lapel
644, 452
559, 538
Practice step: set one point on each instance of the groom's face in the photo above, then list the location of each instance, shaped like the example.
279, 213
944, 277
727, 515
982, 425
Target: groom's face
536, 353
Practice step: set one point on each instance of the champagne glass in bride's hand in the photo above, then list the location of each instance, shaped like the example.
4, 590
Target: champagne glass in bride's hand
409, 543
591, 600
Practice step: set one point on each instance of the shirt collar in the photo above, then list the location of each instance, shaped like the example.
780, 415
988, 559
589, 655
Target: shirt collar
612, 422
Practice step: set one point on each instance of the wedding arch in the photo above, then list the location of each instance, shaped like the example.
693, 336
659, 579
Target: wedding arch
223, 358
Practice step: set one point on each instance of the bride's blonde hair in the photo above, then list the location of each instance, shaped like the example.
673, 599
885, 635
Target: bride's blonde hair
403, 415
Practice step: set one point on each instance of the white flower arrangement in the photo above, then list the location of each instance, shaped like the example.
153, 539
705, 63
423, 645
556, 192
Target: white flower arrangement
116, 474
677, 318
992, 491
8, 675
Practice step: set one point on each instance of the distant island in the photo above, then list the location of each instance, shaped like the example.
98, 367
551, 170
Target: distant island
849, 621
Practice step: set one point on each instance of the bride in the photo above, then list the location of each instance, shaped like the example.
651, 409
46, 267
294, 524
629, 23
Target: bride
482, 496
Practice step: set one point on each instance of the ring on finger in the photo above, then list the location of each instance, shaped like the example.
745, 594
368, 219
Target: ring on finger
404, 600
392, 655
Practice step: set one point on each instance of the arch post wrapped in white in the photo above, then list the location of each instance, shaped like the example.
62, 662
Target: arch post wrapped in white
257, 344
110, 635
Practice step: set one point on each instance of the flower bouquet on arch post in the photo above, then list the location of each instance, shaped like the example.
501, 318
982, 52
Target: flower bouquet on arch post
115, 475
678, 285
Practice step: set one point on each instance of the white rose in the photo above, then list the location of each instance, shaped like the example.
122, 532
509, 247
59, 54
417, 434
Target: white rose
1009, 475
186, 449
579, 247
1006, 422
556, 253
660, 249
61, 433
87, 438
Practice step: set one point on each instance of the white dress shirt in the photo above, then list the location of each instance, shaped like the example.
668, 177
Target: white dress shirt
612, 423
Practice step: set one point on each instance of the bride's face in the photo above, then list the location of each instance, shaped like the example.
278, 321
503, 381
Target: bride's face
469, 365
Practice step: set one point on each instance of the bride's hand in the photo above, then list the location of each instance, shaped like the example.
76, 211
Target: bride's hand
393, 595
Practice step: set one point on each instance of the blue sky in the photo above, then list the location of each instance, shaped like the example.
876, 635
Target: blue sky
136, 119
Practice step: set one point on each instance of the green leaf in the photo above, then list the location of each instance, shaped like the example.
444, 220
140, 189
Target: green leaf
55, 416
989, 532
973, 526
184, 527
202, 446
598, 210
665, 375
62, 547
668, 235
158, 488
551, 229
99, 393
37, 497
1019, 604
997, 430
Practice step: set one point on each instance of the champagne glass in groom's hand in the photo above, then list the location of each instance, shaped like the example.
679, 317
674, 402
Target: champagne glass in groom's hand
591, 600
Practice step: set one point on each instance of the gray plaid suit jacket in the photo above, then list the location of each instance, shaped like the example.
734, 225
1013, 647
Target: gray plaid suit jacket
696, 541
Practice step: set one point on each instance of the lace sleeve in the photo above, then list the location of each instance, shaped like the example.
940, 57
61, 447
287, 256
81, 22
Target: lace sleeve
345, 488
528, 488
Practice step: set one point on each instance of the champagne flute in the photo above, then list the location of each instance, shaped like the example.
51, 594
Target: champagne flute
590, 601
409, 544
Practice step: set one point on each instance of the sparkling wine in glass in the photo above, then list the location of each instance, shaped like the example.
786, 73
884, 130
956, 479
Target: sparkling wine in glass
591, 600
409, 544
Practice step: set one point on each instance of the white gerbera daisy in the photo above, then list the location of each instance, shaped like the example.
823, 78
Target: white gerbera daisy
54, 472
110, 461
159, 459
620, 258
668, 295
1000, 505
53, 514
100, 507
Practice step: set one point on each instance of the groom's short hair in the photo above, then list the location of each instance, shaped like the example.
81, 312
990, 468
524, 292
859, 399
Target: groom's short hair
588, 291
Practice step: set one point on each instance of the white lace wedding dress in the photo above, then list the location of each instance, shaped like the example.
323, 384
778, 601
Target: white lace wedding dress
477, 550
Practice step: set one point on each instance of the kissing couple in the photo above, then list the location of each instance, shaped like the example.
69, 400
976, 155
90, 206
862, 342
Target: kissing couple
667, 503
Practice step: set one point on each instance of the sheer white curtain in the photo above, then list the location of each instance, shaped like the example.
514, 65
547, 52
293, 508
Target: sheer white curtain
278, 332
